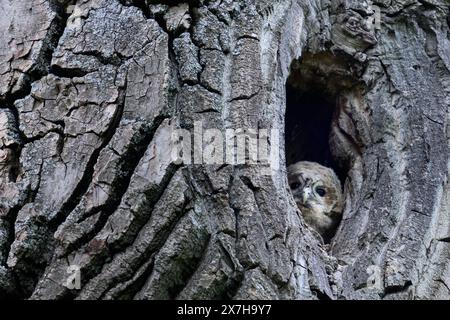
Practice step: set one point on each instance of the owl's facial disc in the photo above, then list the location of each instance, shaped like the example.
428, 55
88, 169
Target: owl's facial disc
307, 193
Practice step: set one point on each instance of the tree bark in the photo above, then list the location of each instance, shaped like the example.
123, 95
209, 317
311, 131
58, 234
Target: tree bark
92, 89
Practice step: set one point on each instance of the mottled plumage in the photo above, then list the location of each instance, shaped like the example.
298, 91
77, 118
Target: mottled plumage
318, 194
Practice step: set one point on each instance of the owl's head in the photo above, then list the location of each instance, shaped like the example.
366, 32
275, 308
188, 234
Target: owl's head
315, 188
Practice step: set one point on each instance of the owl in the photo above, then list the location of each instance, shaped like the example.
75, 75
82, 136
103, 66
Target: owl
318, 194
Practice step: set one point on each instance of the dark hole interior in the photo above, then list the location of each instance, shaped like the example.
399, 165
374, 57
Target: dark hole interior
309, 116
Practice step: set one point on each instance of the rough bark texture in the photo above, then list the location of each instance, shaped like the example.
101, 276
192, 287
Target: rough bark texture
88, 100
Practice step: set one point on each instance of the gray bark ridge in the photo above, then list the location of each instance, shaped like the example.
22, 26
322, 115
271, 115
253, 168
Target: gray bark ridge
90, 91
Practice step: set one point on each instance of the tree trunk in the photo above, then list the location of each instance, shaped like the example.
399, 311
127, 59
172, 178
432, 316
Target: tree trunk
94, 206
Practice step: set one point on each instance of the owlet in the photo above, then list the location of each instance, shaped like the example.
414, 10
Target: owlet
318, 194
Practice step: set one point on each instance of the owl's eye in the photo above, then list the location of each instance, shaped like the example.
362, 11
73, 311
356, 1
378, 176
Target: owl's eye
295, 185
321, 191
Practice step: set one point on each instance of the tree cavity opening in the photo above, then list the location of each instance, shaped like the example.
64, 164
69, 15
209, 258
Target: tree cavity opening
321, 93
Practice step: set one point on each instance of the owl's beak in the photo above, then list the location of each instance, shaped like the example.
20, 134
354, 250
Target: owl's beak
305, 195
